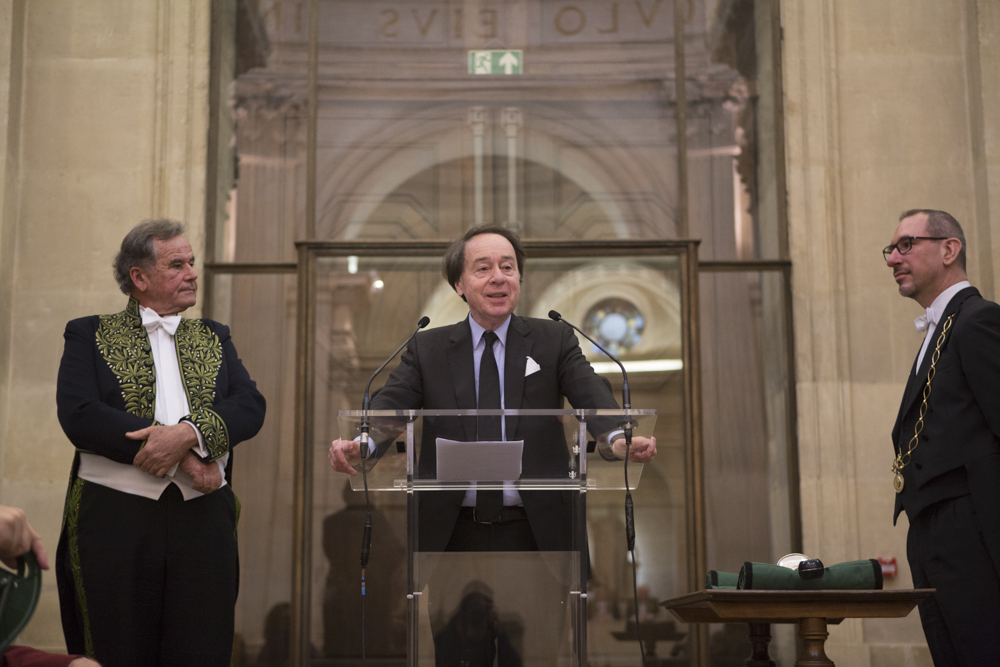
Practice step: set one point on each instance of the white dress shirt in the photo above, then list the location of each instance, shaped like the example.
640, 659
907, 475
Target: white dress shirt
171, 406
932, 315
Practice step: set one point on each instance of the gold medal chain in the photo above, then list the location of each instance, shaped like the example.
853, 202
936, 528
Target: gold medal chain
903, 459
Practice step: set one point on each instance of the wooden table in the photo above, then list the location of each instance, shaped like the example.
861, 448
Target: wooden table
811, 610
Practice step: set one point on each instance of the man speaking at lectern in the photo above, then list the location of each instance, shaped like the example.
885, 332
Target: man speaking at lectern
534, 365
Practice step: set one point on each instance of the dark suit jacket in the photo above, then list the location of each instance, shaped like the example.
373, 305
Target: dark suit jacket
436, 372
959, 447
107, 385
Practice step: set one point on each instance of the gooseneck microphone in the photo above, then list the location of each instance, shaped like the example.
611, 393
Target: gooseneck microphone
367, 400
627, 426
366, 403
627, 404
363, 445
626, 395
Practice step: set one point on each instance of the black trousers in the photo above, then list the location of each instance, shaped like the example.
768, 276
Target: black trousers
946, 551
154, 581
511, 535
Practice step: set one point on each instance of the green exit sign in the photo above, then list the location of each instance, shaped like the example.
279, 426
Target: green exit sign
496, 62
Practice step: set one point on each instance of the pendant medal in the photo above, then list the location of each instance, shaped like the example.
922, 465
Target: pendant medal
897, 482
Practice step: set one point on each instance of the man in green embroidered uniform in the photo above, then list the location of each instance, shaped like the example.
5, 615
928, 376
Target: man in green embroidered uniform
147, 563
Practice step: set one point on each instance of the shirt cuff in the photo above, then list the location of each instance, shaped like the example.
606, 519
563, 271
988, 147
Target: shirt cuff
201, 450
606, 452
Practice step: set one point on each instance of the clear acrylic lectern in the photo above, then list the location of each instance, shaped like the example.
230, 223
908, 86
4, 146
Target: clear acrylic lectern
518, 607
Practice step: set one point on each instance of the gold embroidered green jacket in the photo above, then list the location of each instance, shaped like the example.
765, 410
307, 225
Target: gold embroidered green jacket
107, 384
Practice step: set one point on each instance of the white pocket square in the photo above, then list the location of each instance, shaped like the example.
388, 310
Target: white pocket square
531, 366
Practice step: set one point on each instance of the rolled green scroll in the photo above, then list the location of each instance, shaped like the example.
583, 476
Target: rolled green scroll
715, 580
853, 575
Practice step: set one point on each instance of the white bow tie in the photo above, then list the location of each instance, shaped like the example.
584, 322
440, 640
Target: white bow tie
152, 321
925, 321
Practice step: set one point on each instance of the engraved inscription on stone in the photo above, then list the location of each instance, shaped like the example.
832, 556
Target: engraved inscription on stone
466, 24
602, 21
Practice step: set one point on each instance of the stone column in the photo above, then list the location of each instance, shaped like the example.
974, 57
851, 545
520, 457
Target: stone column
510, 119
106, 110
477, 122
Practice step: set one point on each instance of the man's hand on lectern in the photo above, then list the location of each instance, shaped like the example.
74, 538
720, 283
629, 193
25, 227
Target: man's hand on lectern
344, 453
643, 449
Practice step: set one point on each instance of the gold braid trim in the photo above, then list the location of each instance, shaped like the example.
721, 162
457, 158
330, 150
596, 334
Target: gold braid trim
123, 343
239, 508
213, 429
199, 353
72, 531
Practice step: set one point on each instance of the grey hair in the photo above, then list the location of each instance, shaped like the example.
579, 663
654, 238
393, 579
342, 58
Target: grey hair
139, 250
943, 224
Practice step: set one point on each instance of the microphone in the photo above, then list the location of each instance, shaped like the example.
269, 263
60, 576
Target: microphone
627, 404
364, 447
626, 395
367, 401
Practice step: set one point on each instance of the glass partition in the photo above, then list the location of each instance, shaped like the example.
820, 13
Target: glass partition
263, 330
749, 471
645, 119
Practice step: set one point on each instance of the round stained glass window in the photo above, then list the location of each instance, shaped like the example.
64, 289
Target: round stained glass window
616, 324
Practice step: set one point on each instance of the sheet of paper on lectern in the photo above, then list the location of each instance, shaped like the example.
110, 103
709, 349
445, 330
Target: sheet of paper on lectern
484, 461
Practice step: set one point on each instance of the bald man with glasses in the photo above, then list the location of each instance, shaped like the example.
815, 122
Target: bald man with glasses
946, 465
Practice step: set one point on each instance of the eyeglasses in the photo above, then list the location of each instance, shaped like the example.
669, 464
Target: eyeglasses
905, 244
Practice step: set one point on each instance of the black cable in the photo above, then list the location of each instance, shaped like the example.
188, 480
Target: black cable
630, 536
635, 595
363, 617
366, 541
366, 537
629, 509
365, 450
